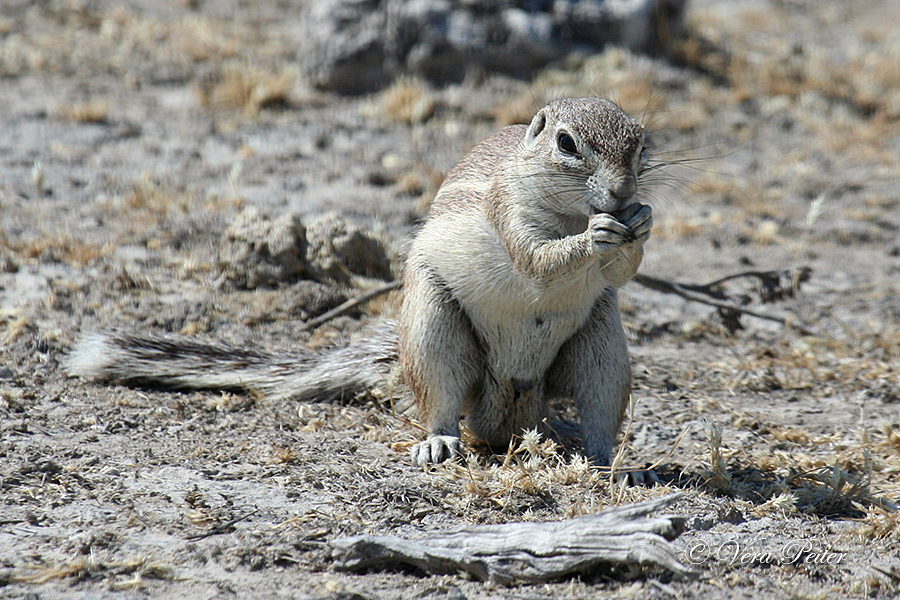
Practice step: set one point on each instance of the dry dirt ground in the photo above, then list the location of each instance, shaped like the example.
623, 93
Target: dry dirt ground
132, 133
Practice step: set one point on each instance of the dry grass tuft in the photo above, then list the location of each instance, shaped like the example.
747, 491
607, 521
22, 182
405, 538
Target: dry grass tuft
94, 111
422, 182
782, 504
855, 480
861, 362
38, 575
865, 76
535, 467
783, 482
204, 39
90, 568
675, 226
847, 99
408, 100
537, 473
790, 434
148, 195
520, 109
116, 39
832, 490
283, 455
58, 247
879, 524
243, 86
748, 196
891, 439
227, 402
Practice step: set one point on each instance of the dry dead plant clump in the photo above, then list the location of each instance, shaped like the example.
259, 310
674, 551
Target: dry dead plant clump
119, 575
858, 480
243, 86
56, 246
534, 467
150, 197
811, 363
408, 99
534, 475
93, 111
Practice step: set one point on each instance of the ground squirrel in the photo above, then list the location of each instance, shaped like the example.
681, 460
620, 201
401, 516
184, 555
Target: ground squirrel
508, 297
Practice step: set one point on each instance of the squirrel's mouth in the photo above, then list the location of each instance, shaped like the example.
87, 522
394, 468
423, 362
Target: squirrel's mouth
608, 203
605, 211
596, 210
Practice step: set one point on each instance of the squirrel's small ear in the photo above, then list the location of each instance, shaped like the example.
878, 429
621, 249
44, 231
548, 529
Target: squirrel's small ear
537, 126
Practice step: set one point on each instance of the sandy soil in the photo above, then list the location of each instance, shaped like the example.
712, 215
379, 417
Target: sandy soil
132, 134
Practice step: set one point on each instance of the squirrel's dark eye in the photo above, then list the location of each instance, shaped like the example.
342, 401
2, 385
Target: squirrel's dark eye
566, 143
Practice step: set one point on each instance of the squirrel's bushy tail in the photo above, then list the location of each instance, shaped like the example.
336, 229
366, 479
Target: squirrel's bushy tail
368, 364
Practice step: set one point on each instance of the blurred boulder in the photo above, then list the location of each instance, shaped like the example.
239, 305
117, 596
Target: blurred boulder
357, 46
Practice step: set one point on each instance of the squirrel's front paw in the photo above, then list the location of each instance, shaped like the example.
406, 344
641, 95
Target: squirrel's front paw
639, 220
435, 449
607, 232
610, 231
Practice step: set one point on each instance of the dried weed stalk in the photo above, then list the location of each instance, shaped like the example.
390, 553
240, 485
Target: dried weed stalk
718, 476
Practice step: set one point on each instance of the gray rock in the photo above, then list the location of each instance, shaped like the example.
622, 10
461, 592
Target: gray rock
338, 249
260, 251
356, 46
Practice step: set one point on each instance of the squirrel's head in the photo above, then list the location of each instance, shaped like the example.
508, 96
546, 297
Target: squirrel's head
594, 146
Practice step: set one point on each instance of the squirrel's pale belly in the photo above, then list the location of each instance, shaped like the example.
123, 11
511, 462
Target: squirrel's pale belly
522, 324
523, 348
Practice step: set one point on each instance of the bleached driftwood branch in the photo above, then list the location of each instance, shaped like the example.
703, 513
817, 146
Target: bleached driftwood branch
529, 552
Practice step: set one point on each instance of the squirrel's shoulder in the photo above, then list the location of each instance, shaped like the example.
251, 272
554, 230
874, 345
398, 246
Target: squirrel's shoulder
473, 175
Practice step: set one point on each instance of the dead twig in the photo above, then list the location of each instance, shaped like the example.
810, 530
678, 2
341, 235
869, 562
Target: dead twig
891, 574
350, 305
708, 294
221, 528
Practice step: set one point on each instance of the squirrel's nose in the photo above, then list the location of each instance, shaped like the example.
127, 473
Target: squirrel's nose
624, 189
